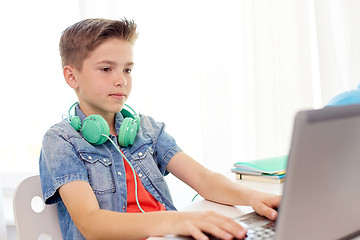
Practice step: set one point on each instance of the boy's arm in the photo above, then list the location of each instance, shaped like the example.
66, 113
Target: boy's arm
95, 223
218, 188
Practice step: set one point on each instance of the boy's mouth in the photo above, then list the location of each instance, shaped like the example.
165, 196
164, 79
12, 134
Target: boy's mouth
118, 95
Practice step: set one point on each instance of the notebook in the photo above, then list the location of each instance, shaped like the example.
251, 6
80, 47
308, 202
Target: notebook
321, 197
272, 165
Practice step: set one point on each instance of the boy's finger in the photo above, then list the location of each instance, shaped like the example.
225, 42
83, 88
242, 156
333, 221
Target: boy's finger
267, 212
198, 234
234, 228
215, 230
225, 227
271, 204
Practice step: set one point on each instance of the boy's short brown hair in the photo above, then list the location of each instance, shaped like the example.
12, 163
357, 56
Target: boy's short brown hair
78, 40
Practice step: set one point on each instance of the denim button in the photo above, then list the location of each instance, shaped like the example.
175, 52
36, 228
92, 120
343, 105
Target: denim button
140, 175
89, 157
104, 159
119, 173
140, 154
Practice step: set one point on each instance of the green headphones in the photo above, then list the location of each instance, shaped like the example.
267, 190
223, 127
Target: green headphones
96, 130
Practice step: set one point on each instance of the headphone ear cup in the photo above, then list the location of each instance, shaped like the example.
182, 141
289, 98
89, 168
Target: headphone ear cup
94, 127
75, 122
127, 132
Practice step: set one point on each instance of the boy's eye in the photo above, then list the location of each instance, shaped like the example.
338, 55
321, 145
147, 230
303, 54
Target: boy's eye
127, 70
106, 69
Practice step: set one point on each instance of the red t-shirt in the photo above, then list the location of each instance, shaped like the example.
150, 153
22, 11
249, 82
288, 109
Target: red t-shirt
147, 202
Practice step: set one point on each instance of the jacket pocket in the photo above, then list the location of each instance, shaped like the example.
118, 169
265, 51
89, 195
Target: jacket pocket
99, 172
144, 158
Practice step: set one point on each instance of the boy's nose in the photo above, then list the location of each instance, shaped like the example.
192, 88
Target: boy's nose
120, 80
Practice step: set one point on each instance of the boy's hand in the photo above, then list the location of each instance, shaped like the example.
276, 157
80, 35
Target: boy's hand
197, 224
265, 204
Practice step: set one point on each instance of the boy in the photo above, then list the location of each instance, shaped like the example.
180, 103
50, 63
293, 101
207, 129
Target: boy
101, 191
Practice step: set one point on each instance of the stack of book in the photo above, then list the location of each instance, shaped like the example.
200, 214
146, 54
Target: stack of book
263, 170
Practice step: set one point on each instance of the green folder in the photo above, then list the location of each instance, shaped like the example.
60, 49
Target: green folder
274, 165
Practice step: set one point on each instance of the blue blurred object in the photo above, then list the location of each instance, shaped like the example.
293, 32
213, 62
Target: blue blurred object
346, 98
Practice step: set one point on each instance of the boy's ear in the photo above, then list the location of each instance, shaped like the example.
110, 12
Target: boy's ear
69, 75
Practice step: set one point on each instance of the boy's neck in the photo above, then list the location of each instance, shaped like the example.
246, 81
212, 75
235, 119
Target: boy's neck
109, 118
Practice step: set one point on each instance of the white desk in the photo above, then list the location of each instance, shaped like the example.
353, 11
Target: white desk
201, 204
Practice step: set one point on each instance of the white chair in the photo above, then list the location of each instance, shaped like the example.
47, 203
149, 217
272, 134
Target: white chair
34, 219
2, 216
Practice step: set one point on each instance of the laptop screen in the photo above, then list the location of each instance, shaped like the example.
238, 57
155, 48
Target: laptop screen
322, 188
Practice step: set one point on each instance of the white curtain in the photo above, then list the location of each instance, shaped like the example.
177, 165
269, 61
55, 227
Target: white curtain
225, 76
338, 32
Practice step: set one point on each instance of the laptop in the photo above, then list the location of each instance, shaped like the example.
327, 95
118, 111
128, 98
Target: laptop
321, 197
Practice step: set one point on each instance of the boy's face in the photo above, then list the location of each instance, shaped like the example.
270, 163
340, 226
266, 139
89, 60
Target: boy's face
104, 83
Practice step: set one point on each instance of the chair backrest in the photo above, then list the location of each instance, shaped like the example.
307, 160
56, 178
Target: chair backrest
34, 219
2, 216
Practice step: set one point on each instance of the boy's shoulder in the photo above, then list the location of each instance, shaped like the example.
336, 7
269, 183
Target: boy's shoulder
63, 125
62, 128
148, 120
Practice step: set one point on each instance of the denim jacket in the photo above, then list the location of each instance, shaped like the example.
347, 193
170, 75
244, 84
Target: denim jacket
66, 156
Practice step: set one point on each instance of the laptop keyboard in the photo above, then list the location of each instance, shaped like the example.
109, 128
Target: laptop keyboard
258, 227
261, 233
257, 233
